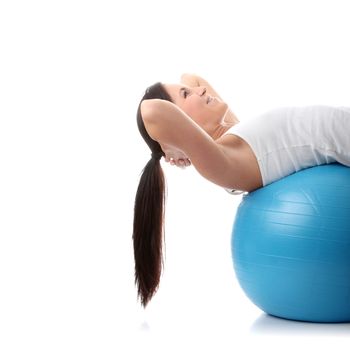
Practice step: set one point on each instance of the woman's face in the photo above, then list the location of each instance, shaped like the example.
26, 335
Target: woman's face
205, 110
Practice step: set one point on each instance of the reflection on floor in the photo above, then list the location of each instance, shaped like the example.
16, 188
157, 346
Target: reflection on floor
266, 324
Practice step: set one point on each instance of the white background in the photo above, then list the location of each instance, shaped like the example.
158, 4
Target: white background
71, 75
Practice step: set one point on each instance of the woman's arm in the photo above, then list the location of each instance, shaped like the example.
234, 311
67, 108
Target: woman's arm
169, 125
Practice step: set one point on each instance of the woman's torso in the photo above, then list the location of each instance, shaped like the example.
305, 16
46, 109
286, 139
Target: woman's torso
286, 140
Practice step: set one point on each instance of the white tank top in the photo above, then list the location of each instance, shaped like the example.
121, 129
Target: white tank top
286, 140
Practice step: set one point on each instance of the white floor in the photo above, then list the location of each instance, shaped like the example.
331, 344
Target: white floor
231, 330
265, 331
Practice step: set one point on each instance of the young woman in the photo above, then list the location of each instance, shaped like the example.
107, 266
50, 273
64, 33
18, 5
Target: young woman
189, 123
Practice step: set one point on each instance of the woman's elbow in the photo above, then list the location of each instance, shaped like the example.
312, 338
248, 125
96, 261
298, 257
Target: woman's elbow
151, 111
147, 110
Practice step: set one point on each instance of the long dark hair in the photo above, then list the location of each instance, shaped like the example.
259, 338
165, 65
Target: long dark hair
148, 233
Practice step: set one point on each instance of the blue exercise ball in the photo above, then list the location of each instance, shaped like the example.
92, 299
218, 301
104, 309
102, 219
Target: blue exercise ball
291, 245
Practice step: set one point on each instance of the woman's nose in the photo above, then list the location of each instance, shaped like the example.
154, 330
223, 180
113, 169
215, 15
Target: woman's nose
201, 90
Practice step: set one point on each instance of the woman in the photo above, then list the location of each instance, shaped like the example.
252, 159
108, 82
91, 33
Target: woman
189, 123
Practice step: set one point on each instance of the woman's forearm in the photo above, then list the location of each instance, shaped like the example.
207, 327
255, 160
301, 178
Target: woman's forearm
168, 124
191, 80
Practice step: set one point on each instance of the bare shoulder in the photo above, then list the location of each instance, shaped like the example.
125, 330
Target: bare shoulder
243, 163
227, 162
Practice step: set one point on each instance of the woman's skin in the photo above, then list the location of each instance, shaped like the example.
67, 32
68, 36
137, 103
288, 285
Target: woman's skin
191, 131
206, 110
197, 98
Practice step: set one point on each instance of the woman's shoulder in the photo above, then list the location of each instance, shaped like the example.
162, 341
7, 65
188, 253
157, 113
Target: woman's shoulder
243, 162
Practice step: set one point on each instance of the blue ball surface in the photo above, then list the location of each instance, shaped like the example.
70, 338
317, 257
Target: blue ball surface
291, 245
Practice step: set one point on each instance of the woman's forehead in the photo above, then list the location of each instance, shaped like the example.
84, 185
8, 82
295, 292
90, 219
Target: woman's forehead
173, 87
174, 90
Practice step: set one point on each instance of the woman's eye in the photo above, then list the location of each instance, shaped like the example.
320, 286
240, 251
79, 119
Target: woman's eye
185, 93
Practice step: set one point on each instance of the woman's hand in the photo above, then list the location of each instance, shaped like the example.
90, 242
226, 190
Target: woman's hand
175, 156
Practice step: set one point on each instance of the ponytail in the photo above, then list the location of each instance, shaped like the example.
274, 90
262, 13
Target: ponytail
148, 229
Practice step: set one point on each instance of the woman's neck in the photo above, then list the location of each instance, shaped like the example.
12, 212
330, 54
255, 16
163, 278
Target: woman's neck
228, 121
